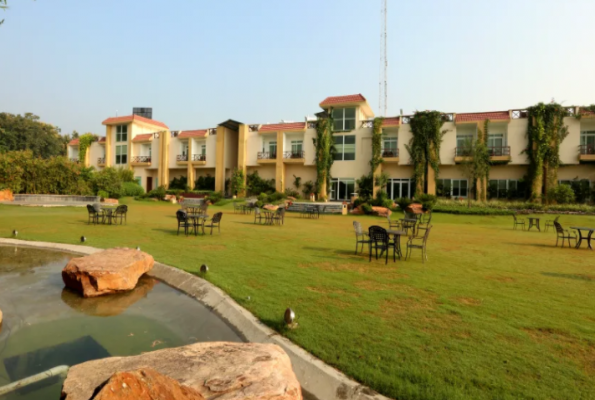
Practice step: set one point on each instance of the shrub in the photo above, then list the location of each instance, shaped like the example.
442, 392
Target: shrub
562, 194
179, 183
237, 181
403, 202
359, 201
132, 189
366, 208
292, 192
263, 197
205, 183
308, 188
103, 194
158, 193
255, 184
126, 175
365, 186
215, 197
108, 180
428, 201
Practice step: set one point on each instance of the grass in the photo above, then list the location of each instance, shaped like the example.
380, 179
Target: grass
494, 314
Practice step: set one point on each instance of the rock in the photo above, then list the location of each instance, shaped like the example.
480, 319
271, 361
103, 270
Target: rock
111, 201
270, 207
6, 195
107, 271
357, 211
145, 384
381, 211
226, 371
0, 317
414, 209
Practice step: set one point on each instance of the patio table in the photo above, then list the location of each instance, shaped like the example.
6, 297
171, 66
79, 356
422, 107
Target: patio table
109, 213
397, 239
198, 220
268, 216
588, 235
534, 222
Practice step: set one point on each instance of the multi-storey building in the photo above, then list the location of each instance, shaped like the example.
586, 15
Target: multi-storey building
281, 151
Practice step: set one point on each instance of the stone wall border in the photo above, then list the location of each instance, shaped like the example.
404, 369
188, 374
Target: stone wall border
318, 380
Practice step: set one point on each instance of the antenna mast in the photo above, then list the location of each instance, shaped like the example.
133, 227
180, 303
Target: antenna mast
383, 81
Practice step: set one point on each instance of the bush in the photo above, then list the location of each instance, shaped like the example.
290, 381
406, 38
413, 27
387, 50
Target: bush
108, 180
255, 184
179, 183
158, 193
366, 208
365, 186
103, 194
205, 183
292, 192
428, 201
403, 202
126, 175
215, 197
562, 194
308, 188
359, 201
132, 189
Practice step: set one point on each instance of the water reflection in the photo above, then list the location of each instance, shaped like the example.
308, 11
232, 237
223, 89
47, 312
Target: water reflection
107, 306
22, 258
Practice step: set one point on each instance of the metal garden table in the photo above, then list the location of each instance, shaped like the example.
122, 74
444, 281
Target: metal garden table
588, 235
534, 222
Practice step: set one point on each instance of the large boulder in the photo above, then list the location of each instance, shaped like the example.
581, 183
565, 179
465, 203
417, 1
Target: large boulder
414, 208
226, 371
145, 384
381, 211
6, 195
107, 271
0, 317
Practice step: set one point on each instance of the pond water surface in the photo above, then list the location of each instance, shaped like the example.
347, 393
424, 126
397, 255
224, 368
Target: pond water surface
46, 325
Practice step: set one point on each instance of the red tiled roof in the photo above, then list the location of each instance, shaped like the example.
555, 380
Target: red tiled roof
392, 121
352, 98
74, 142
102, 139
130, 118
283, 127
481, 116
194, 133
142, 138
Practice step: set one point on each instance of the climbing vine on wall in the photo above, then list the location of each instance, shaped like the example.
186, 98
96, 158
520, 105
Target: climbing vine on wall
325, 151
424, 146
481, 162
545, 133
84, 143
376, 143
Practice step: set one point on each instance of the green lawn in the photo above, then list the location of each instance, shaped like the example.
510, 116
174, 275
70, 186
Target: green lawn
494, 314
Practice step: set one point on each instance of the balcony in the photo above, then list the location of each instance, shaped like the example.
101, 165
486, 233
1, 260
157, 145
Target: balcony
182, 159
499, 154
587, 153
462, 154
199, 159
266, 157
101, 162
294, 157
390, 155
141, 161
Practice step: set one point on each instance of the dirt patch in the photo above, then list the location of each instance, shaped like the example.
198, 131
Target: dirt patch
410, 300
373, 286
503, 279
256, 284
213, 247
325, 290
469, 301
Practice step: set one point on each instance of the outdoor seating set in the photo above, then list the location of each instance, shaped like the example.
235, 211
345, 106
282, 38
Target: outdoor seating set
269, 217
313, 211
107, 215
245, 208
193, 218
416, 227
584, 233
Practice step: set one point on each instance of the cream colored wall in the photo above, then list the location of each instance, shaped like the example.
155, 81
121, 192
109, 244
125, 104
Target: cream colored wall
175, 149
507, 171
211, 142
253, 146
176, 173
155, 152
517, 140
582, 171
363, 153
397, 171
451, 172
204, 171
405, 136
96, 151
449, 140
307, 173
309, 149
264, 171
73, 152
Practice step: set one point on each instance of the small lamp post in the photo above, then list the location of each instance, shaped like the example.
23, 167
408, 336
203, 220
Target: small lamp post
289, 318
83, 239
204, 268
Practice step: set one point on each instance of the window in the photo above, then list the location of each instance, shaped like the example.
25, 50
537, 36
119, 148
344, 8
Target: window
452, 187
463, 145
121, 154
397, 188
273, 148
345, 148
146, 150
203, 150
588, 142
344, 119
496, 140
122, 133
342, 189
184, 148
297, 146
390, 147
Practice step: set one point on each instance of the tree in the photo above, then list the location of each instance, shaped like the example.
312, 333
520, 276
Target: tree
26, 132
237, 181
476, 166
3, 7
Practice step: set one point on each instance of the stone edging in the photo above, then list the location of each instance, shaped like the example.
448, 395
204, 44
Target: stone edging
318, 379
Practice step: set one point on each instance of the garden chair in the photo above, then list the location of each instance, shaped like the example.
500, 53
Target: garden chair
563, 234
419, 242
409, 226
518, 221
550, 223
214, 222
380, 240
360, 236
425, 220
321, 211
258, 215
279, 217
94, 215
184, 222
392, 223
120, 213
203, 208
237, 207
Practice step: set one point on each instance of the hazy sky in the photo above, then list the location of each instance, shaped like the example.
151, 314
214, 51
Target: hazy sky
198, 63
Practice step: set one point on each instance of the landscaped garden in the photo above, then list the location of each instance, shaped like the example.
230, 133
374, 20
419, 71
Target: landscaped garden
494, 314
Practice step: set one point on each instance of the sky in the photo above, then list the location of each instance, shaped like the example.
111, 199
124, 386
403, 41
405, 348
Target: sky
200, 62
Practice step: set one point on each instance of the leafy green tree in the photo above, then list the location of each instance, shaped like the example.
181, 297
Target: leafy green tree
237, 181
27, 132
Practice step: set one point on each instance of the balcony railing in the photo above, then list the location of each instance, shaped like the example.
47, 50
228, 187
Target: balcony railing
294, 154
141, 159
75, 160
499, 151
462, 152
266, 155
587, 149
390, 153
199, 157
101, 160
182, 157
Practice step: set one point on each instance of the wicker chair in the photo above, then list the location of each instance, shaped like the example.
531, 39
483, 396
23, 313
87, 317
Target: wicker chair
184, 222
518, 221
563, 234
214, 222
380, 240
360, 236
258, 215
419, 242
550, 223
120, 213
94, 215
